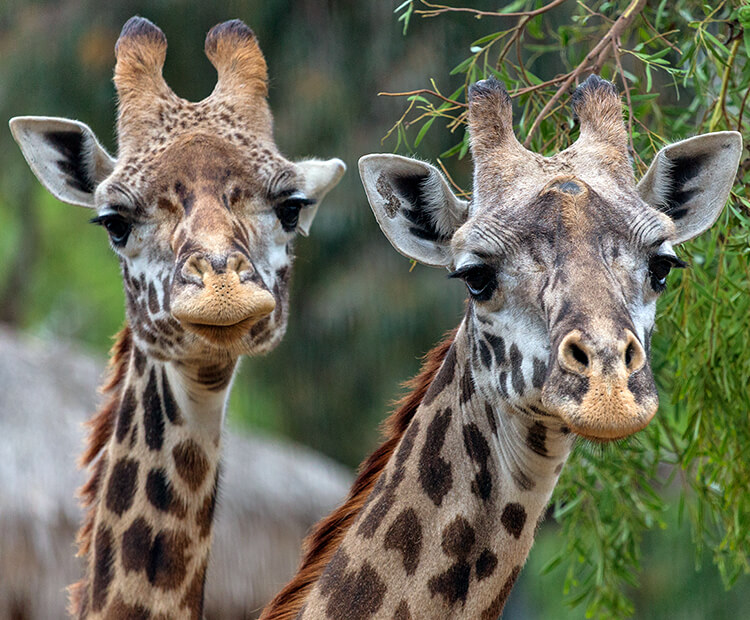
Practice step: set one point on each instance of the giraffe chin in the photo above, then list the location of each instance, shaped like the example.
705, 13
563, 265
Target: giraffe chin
604, 417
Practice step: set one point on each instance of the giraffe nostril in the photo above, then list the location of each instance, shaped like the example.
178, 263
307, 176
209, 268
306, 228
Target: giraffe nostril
575, 355
629, 353
578, 354
634, 356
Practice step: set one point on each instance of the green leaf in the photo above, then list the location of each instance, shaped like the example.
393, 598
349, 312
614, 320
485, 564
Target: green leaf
423, 131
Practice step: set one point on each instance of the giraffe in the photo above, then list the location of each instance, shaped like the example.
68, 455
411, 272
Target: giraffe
563, 258
201, 210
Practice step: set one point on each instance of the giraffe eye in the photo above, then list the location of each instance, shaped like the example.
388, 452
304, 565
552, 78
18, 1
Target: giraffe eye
117, 226
481, 280
659, 266
288, 210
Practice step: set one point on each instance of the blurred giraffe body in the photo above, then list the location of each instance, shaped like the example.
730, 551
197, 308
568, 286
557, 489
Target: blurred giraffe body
201, 210
564, 258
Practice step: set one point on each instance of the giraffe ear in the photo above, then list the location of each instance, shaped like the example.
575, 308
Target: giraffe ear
64, 155
690, 181
415, 207
320, 178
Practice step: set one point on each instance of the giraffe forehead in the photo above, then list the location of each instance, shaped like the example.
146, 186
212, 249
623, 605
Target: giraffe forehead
195, 164
562, 213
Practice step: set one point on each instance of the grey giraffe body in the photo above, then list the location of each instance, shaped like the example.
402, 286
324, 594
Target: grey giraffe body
563, 258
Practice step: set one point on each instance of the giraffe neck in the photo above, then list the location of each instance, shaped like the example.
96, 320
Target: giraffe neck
451, 520
156, 479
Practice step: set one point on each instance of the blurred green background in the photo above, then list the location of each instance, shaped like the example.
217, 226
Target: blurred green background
360, 318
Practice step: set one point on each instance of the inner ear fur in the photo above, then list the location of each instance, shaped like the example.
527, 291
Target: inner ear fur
690, 180
414, 206
320, 178
64, 155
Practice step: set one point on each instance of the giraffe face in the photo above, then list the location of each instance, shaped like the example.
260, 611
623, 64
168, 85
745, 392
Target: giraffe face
563, 257
569, 286
199, 206
204, 235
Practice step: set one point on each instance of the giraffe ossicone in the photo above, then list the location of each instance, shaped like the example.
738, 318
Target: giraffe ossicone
563, 258
202, 211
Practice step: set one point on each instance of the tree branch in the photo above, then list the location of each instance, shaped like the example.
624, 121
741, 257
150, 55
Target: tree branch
601, 51
438, 9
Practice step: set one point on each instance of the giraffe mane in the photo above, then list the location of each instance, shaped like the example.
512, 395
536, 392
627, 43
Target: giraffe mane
101, 426
327, 534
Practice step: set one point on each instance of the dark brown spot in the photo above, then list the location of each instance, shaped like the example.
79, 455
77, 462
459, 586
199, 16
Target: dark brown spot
540, 370
496, 608
193, 599
457, 542
522, 481
139, 361
159, 492
503, 384
498, 347
536, 438
479, 452
458, 538
354, 595
453, 584
103, 557
516, 372
205, 516
380, 508
153, 299
122, 484
215, 377
444, 377
485, 355
513, 519
191, 463
491, 420
168, 559
170, 405
153, 415
120, 610
467, 386
136, 543
559, 468
125, 414
405, 536
187, 198
435, 474
402, 611
486, 564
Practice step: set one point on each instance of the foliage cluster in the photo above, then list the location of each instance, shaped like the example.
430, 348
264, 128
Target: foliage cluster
682, 68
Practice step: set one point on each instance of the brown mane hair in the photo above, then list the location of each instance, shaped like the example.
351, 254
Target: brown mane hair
324, 540
101, 427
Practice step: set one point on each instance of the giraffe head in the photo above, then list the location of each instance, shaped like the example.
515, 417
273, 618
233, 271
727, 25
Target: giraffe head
567, 254
200, 206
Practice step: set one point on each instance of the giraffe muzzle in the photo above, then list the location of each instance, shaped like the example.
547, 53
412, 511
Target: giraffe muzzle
602, 389
219, 300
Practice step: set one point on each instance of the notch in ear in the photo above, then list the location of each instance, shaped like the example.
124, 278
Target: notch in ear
690, 181
64, 155
320, 178
415, 207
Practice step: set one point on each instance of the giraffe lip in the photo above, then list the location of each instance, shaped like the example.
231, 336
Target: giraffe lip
222, 334
601, 438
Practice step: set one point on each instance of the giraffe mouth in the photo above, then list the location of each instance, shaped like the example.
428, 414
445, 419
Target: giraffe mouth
222, 334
